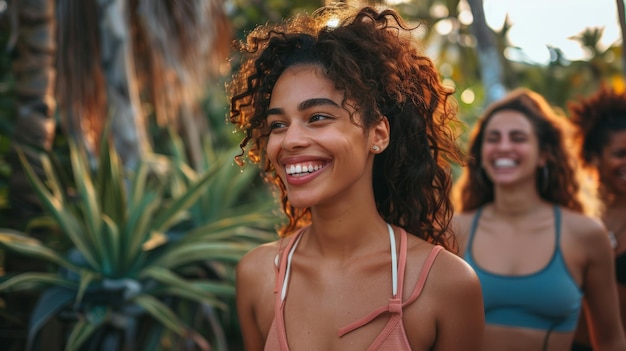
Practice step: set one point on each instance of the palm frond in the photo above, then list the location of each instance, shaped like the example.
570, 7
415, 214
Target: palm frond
183, 287
189, 252
81, 332
110, 187
168, 318
31, 247
62, 214
34, 281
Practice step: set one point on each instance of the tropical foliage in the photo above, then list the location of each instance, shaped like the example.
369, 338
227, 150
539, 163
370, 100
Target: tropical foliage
136, 248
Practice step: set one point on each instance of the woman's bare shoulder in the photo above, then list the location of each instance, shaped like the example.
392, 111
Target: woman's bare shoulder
449, 269
260, 260
451, 283
461, 226
466, 216
453, 272
461, 221
586, 234
450, 302
582, 226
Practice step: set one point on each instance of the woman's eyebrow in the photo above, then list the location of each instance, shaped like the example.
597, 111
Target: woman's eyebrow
304, 105
275, 111
316, 102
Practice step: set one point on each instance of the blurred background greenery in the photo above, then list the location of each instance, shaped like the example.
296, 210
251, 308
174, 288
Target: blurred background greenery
114, 112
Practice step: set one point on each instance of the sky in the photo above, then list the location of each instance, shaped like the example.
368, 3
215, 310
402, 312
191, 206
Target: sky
538, 23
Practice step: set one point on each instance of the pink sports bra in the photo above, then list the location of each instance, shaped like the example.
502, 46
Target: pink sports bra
393, 336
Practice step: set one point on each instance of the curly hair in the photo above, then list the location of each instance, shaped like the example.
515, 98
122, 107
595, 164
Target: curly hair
371, 57
596, 118
556, 184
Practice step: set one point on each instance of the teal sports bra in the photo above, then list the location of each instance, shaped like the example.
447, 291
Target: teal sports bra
548, 299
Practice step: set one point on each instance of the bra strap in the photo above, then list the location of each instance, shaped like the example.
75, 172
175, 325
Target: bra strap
395, 304
421, 281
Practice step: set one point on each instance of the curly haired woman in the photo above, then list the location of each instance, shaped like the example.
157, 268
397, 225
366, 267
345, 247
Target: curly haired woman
601, 130
351, 124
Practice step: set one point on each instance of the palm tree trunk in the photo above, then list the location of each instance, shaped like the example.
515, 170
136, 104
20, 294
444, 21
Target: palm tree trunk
488, 55
35, 76
128, 125
34, 130
622, 25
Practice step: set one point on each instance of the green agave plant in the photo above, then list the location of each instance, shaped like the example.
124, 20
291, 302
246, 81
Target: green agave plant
138, 242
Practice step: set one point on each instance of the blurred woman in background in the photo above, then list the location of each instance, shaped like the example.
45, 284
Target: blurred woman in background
601, 134
520, 226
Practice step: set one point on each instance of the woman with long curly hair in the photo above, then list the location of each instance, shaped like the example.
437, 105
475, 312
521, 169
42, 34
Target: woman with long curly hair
521, 226
600, 122
351, 124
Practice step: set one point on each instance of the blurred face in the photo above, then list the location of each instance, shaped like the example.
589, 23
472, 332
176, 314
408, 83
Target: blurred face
510, 150
318, 152
612, 163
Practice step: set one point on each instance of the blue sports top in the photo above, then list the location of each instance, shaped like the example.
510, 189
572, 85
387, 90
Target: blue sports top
548, 299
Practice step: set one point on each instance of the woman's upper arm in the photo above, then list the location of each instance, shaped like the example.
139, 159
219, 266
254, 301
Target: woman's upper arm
246, 286
461, 317
600, 293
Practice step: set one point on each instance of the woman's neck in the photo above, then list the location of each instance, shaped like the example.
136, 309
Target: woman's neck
346, 233
515, 202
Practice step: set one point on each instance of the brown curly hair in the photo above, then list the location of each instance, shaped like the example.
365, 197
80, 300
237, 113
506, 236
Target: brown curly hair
373, 59
474, 189
596, 118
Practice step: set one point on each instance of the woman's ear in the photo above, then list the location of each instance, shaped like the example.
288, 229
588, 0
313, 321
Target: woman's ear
380, 135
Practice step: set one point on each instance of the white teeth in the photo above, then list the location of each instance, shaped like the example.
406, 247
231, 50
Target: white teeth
301, 168
504, 162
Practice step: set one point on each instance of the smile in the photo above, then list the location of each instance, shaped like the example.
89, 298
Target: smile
303, 168
504, 163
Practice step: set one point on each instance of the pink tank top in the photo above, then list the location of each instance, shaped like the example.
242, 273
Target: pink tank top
392, 337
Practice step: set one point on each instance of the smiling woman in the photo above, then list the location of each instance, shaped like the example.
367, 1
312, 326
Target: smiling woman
601, 129
336, 148
352, 127
521, 227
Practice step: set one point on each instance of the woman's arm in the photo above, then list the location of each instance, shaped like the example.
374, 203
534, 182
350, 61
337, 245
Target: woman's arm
461, 316
247, 293
600, 289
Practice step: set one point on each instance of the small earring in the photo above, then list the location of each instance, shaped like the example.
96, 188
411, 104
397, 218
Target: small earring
375, 148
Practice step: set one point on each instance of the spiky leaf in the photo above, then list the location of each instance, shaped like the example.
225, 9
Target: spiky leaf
31, 247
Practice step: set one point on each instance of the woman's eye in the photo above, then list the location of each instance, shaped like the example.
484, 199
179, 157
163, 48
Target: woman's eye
491, 140
276, 125
318, 117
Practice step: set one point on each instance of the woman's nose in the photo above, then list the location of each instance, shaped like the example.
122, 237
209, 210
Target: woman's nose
295, 136
504, 144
